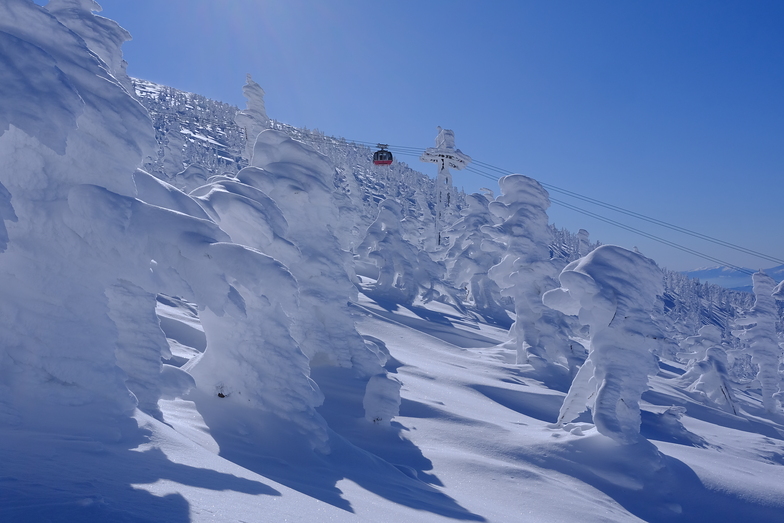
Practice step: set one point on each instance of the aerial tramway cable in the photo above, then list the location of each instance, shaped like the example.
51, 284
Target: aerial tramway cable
639, 232
649, 219
412, 151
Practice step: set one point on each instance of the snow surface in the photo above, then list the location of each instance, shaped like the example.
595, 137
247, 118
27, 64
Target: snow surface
471, 443
221, 356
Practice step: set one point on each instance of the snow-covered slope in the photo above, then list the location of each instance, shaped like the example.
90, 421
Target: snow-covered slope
286, 340
472, 442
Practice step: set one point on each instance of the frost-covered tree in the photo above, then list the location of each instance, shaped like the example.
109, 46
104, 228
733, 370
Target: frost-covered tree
761, 340
253, 119
190, 130
64, 123
706, 372
689, 304
104, 37
694, 348
525, 270
404, 273
709, 377
299, 181
419, 225
584, 245
612, 290
80, 345
468, 263
246, 300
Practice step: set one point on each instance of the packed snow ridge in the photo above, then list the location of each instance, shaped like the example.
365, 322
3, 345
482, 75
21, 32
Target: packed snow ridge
207, 300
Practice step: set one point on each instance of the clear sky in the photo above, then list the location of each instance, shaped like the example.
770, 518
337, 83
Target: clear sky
672, 109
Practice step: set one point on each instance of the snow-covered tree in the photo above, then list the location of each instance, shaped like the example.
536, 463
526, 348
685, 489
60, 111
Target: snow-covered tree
404, 273
612, 290
694, 348
584, 239
709, 377
253, 119
299, 180
64, 124
190, 130
104, 37
525, 270
468, 264
761, 340
706, 372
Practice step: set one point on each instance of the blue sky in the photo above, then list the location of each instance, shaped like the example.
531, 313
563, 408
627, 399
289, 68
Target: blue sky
668, 108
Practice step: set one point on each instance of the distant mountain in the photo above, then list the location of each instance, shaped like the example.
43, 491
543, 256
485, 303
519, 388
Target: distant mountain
732, 278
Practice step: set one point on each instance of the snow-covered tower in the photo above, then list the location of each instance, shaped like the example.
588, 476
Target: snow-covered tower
445, 155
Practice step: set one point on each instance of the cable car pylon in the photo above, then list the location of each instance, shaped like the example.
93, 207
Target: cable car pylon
446, 156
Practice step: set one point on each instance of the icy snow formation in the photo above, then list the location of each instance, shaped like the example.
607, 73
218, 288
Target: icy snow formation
104, 37
761, 340
254, 118
694, 348
65, 122
468, 263
525, 272
612, 290
404, 273
299, 180
85, 259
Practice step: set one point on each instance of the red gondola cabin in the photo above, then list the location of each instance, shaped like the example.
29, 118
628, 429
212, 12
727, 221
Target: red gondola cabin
382, 156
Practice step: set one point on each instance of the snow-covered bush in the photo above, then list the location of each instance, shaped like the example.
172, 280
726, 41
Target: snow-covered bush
612, 290
758, 332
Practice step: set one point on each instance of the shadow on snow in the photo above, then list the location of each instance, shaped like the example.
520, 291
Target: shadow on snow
276, 449
56, 478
